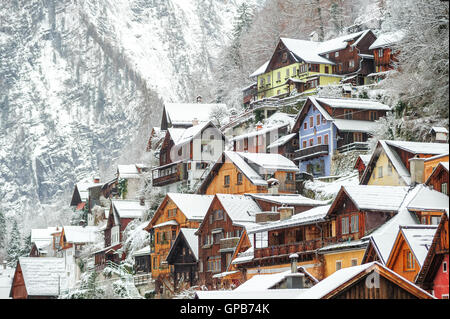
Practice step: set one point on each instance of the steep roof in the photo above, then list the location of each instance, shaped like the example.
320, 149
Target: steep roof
420, 147
351, 103
282, 140
270, 161
387, 39
191, 239
355, 125
193, 206
128, 171
288, 199
185, 113
43, 276
245, 168
429, 200
240, 208
129, 208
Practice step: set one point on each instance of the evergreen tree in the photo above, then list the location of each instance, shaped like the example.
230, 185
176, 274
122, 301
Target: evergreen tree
26, 248
2, 230
14, 246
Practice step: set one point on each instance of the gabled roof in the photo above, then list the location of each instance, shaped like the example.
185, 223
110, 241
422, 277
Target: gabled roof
129, 208
387, 39
43, 276
439, 129
351, 103
258, 132
441, 166
288, 199
193, 206
304, 50
270, 161
185, 113
260, 70
80, 234
346, 277
128, 171
355, 125
371, 197
240, 208
281, 141
188, 235
417, 237
420, 147
429, 200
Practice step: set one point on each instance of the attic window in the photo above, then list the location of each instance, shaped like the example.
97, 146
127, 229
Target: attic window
408, 261
284, 57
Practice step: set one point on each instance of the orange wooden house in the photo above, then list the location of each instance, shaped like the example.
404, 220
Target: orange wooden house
438, 178
434, 273
240, 173
410, 249
176, 211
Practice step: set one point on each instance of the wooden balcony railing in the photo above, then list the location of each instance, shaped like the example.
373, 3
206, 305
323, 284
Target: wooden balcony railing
167, 179
312, 151
355, 146
287, 249
228, 243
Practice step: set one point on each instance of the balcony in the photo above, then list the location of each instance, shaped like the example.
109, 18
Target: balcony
311, 152
228, 244
287, 249
356, 146
167, 174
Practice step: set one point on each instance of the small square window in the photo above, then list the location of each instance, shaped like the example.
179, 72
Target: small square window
354, 262
338, 265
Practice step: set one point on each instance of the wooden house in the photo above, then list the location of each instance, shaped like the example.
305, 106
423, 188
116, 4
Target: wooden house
155, 139
121, 213
439, 134
220, 231
80, 194
367, 281
399, 163
285, 145
185, 155
240, 173
176, 211
410, 249
183, 257
433, 275
142, 260
428, 206
361, 163
385, 56
356, 212
38, 278
42, 241
438, 179
273, 202
301, 66
250, 94
330, 126
258, 141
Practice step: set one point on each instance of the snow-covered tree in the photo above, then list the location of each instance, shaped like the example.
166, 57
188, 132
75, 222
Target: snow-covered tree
2, 230
14, 245
26, 247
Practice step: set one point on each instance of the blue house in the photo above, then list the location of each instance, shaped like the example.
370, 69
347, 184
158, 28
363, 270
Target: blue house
330, 126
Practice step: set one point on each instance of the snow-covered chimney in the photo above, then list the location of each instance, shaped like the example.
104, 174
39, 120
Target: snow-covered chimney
293, 258
295, 280
314, 36
4, 264
259, 126
416, 169
199, 99
286, 212
274, 185
96, 179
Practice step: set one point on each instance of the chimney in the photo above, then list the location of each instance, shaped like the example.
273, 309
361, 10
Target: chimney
4, 264
416, 169
96, 179
259, 126
263, 217
314, 36
293, 258
295, 280
286, 212
194, 121
274, 185
199, 99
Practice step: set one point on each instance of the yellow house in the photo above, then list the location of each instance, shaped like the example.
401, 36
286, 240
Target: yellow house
400, 163
342, 255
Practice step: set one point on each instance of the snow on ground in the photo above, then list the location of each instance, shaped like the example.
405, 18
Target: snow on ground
6, 276
328, 190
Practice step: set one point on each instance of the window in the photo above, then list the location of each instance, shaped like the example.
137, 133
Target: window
338, 264
373, 115
380, 171
278, 76
217, 237
239, 178
444, 188
435, 220
155, 262
326, 139
444, 266
227, 180
350, 48
354, 262
311, 142
311, 121
261, 82
389, 169
348, 114
287, 73
318, 119
289, 176
268, 79
294, 71
380, 53
423, 220
115, 236
327, 69
409, 260
351, 63
357, 137
305, 125
344, 225
319, 140
262, 240
218, 214
304, 144
354, 223
336, 54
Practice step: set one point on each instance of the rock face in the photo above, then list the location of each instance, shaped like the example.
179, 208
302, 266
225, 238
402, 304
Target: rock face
81, 79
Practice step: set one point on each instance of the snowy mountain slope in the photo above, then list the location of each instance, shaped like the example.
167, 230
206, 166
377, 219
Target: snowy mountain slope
80, 79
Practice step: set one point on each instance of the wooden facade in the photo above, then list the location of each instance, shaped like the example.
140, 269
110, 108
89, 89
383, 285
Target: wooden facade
258, 143
18, 288
439, 179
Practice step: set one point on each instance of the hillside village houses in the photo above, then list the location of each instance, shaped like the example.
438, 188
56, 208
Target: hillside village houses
235, 215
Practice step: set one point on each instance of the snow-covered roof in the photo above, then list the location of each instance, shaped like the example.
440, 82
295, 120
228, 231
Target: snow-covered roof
289, 199
270, 161
307, 51
355, 125
193, 206
191, 239
188, 134
176, 133
142, 252
387, 39
350, 103
384, 236
263, 282
185, 113
279, 118
243, 166
282, 140
260, 70
439, 129
374, 197
345, 245
396, 161
258, 132
43, 234
80, 234
240, 208
429, 200
264, 294
245, 256
128, 171
365, 158
83, 189
129, 208
312, 215
419, 239
340, 43
43, 276
420, 147
171, 222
